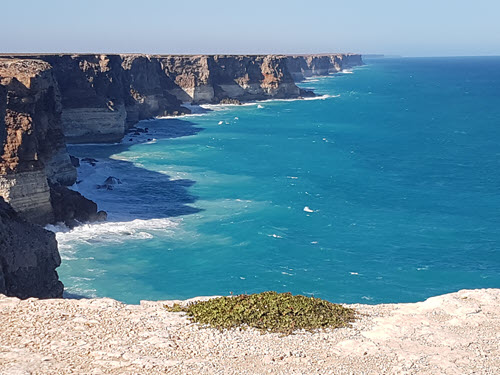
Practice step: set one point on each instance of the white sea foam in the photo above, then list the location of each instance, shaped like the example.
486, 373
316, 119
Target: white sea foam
221, 107
110, 232
320, 97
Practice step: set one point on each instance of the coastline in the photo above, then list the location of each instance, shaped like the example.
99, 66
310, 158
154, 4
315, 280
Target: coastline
134, 225
455, 333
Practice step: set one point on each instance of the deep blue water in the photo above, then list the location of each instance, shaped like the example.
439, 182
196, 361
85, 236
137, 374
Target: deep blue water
399, 164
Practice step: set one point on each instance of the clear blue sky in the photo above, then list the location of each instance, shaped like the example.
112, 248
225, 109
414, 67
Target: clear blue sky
402, 27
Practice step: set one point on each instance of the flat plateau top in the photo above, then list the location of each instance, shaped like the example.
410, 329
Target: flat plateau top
456, 333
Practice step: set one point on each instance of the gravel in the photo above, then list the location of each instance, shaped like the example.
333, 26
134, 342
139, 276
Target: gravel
457, 333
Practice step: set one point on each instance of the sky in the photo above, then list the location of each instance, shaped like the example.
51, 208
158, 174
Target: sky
392, 27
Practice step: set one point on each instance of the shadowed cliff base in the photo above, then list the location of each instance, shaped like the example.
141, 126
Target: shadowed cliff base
123, 198
28, 258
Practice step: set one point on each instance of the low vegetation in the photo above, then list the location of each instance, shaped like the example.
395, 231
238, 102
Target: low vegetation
268, 312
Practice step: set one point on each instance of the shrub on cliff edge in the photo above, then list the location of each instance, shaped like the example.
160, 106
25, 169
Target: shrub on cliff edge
268, 312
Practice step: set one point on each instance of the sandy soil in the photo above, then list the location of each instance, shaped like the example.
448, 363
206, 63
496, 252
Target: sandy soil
456, 333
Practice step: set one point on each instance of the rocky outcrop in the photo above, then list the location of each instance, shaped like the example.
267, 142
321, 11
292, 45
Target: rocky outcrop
33, 149
72, 208
303, 66
28, 258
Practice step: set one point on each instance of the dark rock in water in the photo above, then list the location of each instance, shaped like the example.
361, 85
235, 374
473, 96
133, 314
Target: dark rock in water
109, 183
130, 140
28, 258
136, 133
90, 161
229, 101
306, 94
140, 130
72, 208
102, 216
112, 181
74, 161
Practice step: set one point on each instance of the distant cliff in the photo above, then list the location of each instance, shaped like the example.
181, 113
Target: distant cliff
303, 66
103, 95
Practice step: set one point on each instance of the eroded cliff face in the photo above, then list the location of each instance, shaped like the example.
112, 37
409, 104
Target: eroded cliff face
212, 79
303, 66
34, 164
103, 95
28, 258
33, 150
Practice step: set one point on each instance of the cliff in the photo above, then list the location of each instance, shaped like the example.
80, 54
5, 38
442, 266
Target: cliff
34, 149
103, 95
33, 155
303, 66
28, 258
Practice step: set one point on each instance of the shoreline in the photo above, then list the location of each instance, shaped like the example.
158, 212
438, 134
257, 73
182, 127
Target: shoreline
204, 109
454, 333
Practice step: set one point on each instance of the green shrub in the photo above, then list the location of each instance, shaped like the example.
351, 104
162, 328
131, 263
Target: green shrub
268, 312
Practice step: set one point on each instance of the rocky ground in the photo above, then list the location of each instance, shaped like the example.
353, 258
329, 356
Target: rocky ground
456, 333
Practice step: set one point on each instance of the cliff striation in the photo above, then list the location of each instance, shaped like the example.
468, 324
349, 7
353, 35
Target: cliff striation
33, 147
33, 155
28, 258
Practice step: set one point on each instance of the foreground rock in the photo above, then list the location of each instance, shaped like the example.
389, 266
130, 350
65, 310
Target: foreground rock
28, 258
452, 334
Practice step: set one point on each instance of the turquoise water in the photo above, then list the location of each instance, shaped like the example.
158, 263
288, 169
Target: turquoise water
386, 189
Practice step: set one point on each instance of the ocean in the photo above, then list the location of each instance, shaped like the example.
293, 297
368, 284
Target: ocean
385, 188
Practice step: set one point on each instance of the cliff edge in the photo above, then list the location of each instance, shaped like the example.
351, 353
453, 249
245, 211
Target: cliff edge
451, 334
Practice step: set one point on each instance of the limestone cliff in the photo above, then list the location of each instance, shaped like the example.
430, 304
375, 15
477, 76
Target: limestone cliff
33, 150
28, 258
33, 156
103, 95
303, 66
210, 79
